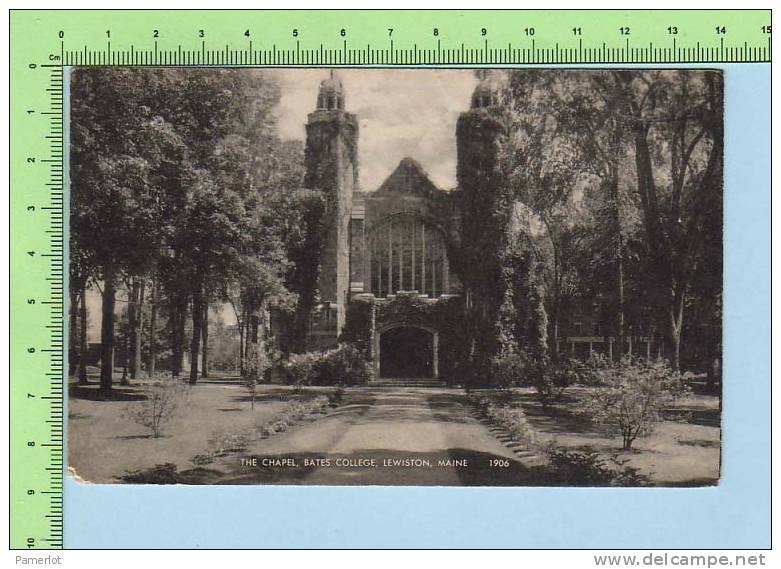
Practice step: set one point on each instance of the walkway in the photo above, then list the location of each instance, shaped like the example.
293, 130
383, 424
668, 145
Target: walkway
403, 436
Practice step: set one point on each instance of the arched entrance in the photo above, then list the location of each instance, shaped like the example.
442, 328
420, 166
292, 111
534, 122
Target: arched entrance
408, 352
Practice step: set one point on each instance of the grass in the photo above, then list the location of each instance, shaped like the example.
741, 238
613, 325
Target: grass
683, 450
102, 445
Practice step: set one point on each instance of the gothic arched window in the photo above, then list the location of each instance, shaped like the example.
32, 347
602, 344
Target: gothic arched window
407, 255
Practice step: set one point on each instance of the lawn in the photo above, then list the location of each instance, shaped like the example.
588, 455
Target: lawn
102, 445
683, 450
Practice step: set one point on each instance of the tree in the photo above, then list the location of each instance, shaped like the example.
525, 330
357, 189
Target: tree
676, 122
117, 146
135, 324
567, 248
303, 237
598, 122
152, 361
624, 168
83, 348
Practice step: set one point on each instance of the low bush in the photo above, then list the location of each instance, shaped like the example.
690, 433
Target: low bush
570, 468
226, 443
343, 365
548, 378
576, 468
335, 397
256, 365
163, 399
300, 368
508, 370
159, 474
632, 396
563, 467
510, 418
221, 444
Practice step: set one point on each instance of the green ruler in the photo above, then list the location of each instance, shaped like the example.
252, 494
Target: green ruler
45, 43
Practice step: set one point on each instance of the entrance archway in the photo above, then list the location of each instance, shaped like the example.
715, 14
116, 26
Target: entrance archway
408, 352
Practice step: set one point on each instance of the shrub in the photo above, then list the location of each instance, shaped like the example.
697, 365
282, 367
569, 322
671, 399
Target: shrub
633, 394
250, 384
343, 365
163, 398
570, 468
579, 372
160, 474
221, 444
300, 367
548, 378
224, 443
335, 397
512, 420
575, 468
257, 364
508, 370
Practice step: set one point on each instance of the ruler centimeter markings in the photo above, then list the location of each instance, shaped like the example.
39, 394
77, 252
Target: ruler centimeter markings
45, 43
416, 38
37, 319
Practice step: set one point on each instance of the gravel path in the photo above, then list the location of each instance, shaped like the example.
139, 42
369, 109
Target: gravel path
402, 436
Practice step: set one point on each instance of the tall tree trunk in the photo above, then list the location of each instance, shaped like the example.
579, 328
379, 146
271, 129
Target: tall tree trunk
150, 368
650, 338
241, 349
205, 337
196, 338
125, 361
254, 325
176, 345
260, 348
247, 336
618, 256
676, 327
73, 315
107, 331
178, 315
132, 318
556, 305
620, 317
83, 347
137, 335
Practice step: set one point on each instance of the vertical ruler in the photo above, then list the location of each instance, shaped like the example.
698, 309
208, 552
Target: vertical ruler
37, 307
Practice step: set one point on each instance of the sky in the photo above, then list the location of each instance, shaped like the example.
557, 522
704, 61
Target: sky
401, 112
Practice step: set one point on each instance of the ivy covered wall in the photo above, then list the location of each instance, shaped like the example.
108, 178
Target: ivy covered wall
367, 317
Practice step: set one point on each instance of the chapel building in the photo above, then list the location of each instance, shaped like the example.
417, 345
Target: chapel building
391, 246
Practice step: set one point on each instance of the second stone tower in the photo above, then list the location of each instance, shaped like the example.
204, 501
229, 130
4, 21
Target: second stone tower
331, 162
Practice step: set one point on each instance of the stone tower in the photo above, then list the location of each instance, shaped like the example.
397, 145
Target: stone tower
479, 139
331, 162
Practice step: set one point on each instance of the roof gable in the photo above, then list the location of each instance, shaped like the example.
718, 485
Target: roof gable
408, 178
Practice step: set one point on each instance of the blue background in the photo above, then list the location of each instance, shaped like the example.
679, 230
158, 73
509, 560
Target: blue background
736, 514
